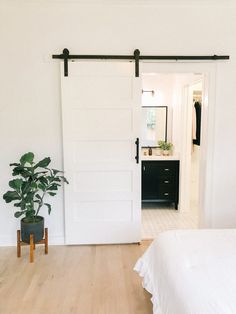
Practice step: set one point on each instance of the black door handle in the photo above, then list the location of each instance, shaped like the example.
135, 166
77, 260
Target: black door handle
137, 150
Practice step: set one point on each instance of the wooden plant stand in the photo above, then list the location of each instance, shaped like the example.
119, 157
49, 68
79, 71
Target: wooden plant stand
32, 244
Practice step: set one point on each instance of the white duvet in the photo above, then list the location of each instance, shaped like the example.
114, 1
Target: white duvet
191, 272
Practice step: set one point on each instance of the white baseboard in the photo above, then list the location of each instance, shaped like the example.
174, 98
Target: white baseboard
11, 240
56, 240
7, 240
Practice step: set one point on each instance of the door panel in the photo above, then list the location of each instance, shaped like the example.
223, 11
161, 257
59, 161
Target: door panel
84, 211
84, 123
101, 105
105, 151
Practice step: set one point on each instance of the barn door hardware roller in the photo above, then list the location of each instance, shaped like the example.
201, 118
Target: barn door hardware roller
136, 57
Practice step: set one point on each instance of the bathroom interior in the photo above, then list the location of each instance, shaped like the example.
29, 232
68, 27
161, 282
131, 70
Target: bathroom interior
171, 113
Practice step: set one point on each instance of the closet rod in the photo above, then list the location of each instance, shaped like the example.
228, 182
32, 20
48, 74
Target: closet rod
136, 56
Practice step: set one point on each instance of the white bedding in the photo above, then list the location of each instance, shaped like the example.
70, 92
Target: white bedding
191, 272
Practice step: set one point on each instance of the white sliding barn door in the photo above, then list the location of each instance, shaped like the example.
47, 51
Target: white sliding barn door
101, 105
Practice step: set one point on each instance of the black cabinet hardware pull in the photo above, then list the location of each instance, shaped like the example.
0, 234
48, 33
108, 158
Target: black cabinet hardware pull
167, 169
166, 194
137, 150
166, 181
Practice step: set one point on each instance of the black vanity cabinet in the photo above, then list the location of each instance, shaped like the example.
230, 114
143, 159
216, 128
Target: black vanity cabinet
160, 181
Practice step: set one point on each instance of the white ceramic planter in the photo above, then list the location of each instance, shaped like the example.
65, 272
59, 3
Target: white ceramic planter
165, 152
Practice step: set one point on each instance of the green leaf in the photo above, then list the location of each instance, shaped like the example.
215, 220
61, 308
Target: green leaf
11, 196
19, 170
20, 204
53, 187
40, 172
29, 207
56, 179
25, 187
33, 185
55, 171
23, 204
42, 187
30, 213
14, 164
17, 204
52, 193
22, 171
64, 179
38, 196
43, 180
29, 197
43, 163
16, 184
18, 214
27, 158
49, 208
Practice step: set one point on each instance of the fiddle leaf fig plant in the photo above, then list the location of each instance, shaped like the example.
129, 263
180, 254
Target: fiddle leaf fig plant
33, 181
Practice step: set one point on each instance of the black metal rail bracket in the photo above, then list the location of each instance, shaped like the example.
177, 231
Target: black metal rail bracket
136, 57
66, 54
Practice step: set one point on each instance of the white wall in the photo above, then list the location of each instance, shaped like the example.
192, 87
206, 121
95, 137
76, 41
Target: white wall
163, 86
30, 118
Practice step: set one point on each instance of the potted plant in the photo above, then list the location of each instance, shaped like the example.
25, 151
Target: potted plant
32, 183
166, 147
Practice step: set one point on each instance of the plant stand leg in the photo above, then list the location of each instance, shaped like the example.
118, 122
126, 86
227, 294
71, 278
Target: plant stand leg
18, 244
46, 240
31, 248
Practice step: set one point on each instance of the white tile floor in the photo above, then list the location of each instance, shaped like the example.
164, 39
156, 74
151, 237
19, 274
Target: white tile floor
158, 218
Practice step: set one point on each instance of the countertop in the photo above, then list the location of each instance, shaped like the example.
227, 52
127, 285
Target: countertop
155, 157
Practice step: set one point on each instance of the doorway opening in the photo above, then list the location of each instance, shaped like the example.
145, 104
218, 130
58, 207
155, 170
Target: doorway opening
170, 183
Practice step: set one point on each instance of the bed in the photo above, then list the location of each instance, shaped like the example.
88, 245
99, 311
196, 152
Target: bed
191, 272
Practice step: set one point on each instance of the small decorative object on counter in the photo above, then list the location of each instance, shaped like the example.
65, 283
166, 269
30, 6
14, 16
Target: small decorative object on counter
158, 152
150, 151
166, 147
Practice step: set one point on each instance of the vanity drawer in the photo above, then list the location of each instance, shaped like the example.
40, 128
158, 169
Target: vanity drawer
166, 195
167, 169
165, 189
167, 180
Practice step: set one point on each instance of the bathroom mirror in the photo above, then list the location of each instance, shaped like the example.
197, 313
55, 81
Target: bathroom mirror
154, 125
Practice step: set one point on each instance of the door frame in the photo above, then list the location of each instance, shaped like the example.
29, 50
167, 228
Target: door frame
186, 147
208, 69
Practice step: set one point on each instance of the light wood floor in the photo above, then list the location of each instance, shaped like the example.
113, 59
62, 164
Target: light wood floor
73, 279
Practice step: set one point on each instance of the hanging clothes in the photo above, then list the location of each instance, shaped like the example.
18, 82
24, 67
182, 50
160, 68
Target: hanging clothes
197, 123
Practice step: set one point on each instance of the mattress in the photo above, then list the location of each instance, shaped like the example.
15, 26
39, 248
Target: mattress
191, 272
